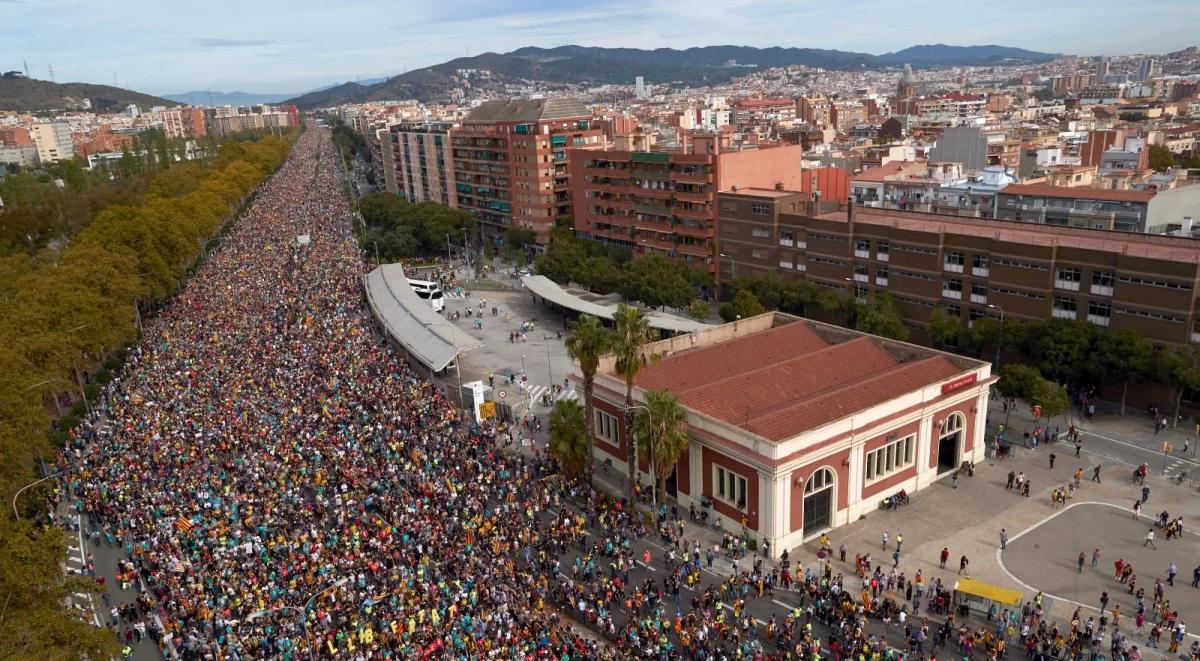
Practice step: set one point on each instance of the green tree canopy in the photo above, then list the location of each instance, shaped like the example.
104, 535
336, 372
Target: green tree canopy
568, 436
943, 327
744, 305
662, 426
879, 315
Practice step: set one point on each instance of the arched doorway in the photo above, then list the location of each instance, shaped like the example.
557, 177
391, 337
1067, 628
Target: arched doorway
949, 439
818, 502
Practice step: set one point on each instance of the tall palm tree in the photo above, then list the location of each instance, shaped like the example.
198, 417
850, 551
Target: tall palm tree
664, 426
588, 341
633, 333
567, 433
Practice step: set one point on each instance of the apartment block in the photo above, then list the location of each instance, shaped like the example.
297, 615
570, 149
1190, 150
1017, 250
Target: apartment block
665, 201
423, 161
971, 268
53, 140
816, 110
510, 162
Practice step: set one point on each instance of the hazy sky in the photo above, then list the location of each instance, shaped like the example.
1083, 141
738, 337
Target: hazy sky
293, 45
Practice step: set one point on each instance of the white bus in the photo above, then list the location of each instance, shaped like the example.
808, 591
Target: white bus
430, 291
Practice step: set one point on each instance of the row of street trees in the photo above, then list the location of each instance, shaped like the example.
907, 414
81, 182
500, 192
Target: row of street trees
661, 423
877, 314
64, 311
653, 279
398, 229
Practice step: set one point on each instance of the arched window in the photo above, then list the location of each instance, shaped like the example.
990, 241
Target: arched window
952, 426
819, 480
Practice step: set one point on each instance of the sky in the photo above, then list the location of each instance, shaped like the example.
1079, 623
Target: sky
297, 45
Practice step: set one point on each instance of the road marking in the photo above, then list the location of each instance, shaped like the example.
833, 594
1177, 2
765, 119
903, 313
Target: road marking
645, 565
776, 601
1156, 453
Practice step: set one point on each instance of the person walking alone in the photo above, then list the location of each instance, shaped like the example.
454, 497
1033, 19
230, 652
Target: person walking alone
1096, 474
1149, 539
1003, 539
962, 565
1081, 560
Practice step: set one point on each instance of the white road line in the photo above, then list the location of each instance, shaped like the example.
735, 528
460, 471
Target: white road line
1157, 453
789, 607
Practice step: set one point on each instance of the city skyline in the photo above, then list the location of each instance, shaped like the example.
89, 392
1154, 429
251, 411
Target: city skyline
147, 48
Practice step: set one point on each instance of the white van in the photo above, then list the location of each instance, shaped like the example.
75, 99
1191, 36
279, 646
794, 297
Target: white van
430, 291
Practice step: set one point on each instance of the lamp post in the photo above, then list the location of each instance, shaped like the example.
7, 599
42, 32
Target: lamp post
650, 453
1000, 339
732, 271
57, 406
549, 367
449, 255
78, 377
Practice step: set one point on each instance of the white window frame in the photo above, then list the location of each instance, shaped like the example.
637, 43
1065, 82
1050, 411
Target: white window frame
892, 458
606, 427
728, 486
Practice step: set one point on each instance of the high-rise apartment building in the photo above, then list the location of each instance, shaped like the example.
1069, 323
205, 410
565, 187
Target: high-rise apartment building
53, 140
816, 110
423, 163
665, 201
510, 162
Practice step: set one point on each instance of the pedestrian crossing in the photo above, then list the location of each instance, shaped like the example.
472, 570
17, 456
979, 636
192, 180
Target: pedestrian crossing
537, 392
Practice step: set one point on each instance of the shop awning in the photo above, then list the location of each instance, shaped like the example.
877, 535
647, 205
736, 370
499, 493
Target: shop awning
988, 591
551, 291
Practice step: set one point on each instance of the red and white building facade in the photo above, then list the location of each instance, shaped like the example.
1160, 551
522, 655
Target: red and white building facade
797, 426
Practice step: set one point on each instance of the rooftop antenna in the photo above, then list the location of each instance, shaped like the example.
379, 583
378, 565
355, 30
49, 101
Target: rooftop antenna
26, 65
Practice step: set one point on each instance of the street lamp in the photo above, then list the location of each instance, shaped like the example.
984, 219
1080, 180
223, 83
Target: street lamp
1000, 340
57, 406
549, 367
650, 453
78, 377
732, 270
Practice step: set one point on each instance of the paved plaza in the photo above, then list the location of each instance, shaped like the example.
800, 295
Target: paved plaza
1045, 558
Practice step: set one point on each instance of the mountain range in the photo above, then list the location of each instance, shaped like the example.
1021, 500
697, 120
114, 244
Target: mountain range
211, 98
32, 95
689, 67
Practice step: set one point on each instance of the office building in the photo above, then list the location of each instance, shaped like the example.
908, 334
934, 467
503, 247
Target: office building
520, 148
665, 201
53, 140
969, 267
796, 427
423, 164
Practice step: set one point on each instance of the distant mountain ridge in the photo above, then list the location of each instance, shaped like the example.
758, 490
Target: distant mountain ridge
692, 66
33, 95
239, 98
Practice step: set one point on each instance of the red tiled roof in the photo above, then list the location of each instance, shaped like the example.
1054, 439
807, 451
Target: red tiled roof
762, 103
696, 367
785, 380
1078, 193
889, 169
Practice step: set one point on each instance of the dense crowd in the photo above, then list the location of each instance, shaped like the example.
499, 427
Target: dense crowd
283, 483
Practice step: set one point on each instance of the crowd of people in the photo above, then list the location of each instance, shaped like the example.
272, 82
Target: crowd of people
284, 485
281, 485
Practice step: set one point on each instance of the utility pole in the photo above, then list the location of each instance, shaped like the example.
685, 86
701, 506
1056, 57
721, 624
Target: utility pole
50, 67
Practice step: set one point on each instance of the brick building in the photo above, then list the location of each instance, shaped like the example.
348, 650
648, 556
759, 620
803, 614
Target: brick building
665, 201
970, 267
512, 155
423, 164
797, 427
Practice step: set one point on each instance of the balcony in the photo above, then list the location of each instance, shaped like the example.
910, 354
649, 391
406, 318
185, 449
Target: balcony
801, 267
662, 244
698, 231
979, 298
1067, 285
882, 282
1098, 320
881, 256
952, 268
787, 243
1068, 314
1102, 290
864, 254
862, 277
950, 293
686, 196
695, 249
785, 265
697, 214
979, 271
695, 177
